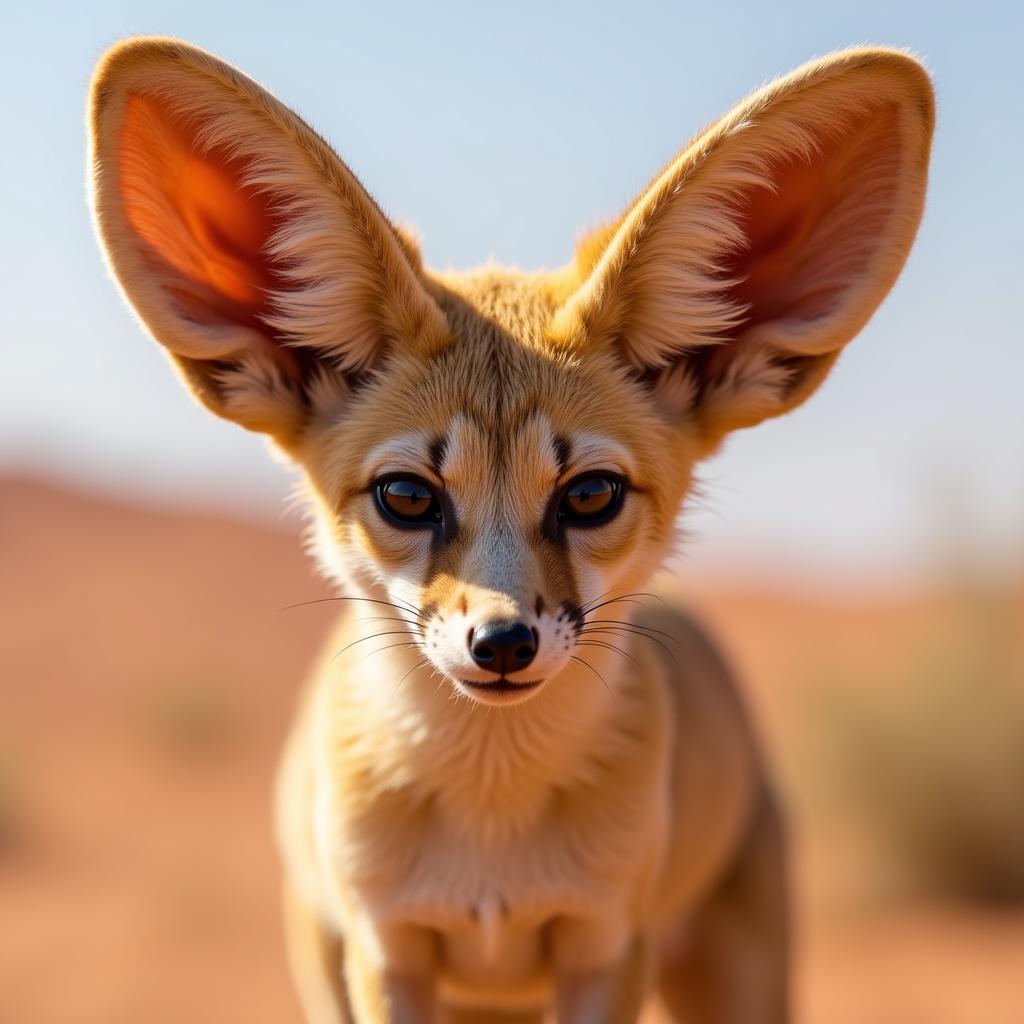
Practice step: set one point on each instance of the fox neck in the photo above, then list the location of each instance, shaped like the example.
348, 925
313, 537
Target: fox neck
489, 770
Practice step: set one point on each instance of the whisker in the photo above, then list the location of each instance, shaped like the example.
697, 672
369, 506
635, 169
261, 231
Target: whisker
410, 607
600, 597
368, 600
586, 664
390, 618
621, 599
388, 647
418, 665
372, 636
631, 625
620, 630
607, 646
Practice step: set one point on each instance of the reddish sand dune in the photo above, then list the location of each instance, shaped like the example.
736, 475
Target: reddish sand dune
146, 678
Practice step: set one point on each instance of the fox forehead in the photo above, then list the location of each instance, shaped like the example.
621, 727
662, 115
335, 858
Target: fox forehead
504, 478
465, 445
521, 303
500, 397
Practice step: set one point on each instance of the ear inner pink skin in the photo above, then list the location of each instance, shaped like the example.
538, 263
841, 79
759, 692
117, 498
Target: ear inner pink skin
191, 209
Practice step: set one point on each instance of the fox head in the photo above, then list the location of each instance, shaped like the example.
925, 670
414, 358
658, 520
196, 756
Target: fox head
497, 453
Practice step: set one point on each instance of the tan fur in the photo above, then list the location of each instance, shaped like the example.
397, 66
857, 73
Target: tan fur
609, 831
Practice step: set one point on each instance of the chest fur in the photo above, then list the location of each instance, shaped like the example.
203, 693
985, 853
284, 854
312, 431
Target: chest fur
491, 880
491, 908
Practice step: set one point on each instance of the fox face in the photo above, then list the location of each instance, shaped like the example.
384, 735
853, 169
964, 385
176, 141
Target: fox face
497, 489
495, 454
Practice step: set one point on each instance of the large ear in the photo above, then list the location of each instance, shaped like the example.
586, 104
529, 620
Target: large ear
248, 249
735, 279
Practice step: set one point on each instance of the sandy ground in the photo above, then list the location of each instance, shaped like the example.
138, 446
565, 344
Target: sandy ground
147, 673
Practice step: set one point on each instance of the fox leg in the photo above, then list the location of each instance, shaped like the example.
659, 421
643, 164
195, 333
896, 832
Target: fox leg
391, 975
729, 964
316, 958
317, 961
612, 996
459, 1015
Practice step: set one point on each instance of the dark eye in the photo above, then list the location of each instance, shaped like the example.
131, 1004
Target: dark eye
590, 500
409, 502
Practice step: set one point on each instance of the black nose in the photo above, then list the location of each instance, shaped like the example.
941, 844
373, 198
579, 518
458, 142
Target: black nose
503, 646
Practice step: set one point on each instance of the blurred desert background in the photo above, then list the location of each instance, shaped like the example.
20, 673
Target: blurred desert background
150, 668
861, 562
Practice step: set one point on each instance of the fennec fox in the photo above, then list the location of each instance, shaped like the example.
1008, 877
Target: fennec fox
514, 786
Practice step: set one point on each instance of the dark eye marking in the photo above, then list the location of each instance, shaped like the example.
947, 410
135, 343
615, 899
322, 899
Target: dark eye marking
438, 451
563, 452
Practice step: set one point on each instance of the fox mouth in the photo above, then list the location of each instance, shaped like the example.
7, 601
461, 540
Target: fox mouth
500, 692
502, 685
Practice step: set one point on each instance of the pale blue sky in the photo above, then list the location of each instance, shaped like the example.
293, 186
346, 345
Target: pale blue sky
503, 132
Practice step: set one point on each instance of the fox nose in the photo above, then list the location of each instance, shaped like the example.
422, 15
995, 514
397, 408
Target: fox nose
503, 646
